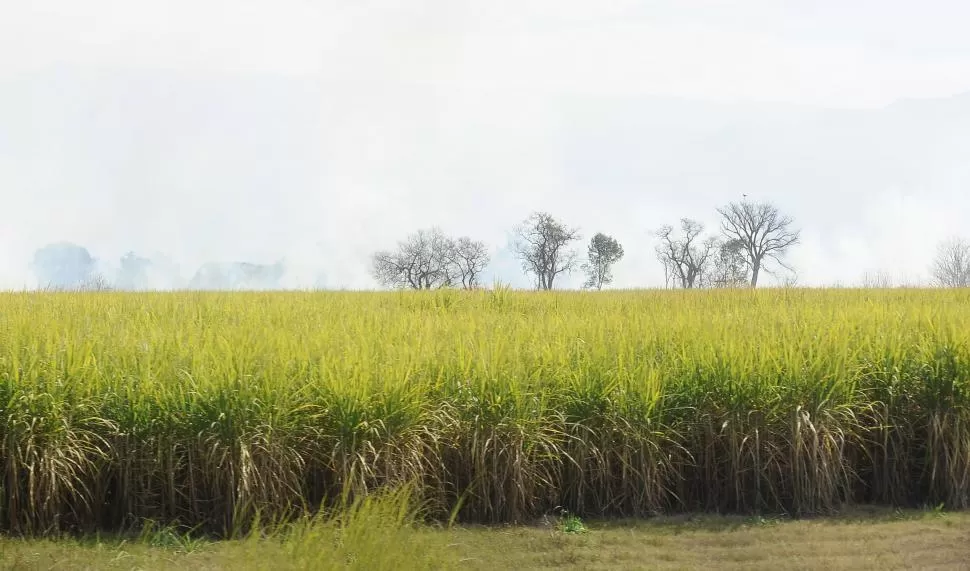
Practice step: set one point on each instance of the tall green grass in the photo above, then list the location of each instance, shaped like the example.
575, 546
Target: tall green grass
377, 531
208, 409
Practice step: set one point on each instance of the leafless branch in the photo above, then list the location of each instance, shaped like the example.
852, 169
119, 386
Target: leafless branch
762, 232
951, 267
541, 244
685, 258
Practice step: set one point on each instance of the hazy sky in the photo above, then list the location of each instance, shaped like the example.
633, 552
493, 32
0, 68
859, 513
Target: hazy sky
321, 131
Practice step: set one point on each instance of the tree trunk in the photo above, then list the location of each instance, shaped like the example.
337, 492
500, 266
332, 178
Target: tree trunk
755, 270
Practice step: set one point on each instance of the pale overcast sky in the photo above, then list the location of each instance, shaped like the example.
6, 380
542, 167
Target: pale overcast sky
316, 131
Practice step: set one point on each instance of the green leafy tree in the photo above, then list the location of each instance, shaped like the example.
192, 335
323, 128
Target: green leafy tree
603, 252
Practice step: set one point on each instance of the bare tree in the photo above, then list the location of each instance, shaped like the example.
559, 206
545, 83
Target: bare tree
429, 259
94, 282
686, 258
468, 259
421, 261
603, 252
762, 232
541, 243
951, 267
877, 279
728, 267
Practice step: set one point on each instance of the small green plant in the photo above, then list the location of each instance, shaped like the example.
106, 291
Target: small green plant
169, 536
570, 523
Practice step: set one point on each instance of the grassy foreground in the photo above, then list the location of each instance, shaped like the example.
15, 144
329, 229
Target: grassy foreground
879, 540
208, 409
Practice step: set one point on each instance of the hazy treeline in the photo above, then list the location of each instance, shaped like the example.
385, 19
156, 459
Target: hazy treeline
752, 239
65, 265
